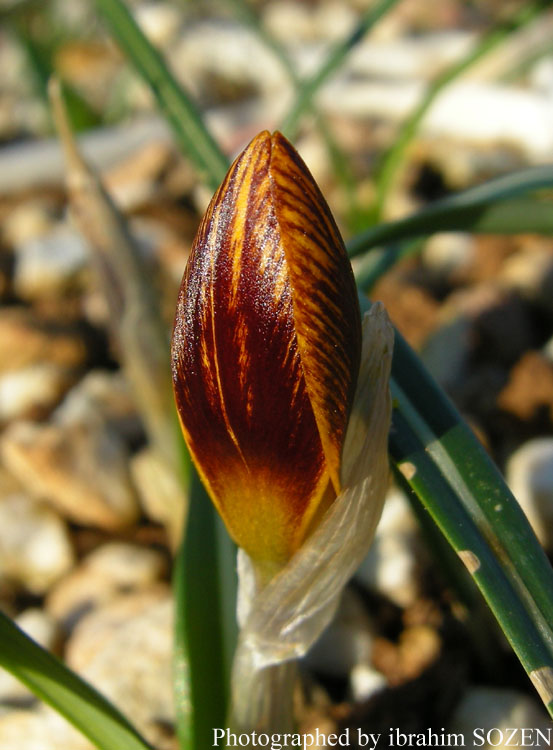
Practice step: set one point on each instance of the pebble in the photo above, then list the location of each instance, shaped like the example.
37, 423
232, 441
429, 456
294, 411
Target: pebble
32, 391
529, 390
497, 709
530, 272
226, 51
104, 394
136, 631
160, 21
51, 264
35, 548
446, 253
529, 474
26, 222
26, 340
518, 118
43, 629
105, 573
365, 682
162, 496
80, 468
39, 729
390, 566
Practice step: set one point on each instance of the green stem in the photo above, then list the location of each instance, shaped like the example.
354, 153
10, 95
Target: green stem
202, 648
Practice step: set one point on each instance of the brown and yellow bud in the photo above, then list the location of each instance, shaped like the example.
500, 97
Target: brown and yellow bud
266, 351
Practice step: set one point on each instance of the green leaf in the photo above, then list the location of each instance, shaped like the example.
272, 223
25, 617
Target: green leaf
488, 208
456, 481
391, 161
182, 114
65, 691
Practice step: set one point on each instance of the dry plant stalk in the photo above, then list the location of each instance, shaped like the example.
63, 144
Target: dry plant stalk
136, 324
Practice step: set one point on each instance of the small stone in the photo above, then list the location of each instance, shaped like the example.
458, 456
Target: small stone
365, 682
160, 21
35, 549
80, 468
494, 710
447, 253
530, 387
51, 264
391, 564
39, 729
418, 648
105, 394
136, 631
32, 391
529, 474
27, 340
26, 222
162, 496
104, 574
530, 272
44, 630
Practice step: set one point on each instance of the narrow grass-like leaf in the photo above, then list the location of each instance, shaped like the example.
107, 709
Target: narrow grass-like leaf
461, 488
487, 208
202, 648
70, 695
375, 264
340, 164
332, 62
392, 160
41, 68
188, 126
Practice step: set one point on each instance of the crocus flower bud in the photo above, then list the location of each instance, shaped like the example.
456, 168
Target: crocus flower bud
266, 352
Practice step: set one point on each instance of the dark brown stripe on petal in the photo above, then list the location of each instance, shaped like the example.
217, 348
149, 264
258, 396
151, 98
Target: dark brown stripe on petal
237, 371
326, 311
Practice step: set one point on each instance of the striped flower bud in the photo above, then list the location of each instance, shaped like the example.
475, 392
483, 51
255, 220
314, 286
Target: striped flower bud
266, 351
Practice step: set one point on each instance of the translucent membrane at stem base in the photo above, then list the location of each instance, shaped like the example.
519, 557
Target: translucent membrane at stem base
281, 620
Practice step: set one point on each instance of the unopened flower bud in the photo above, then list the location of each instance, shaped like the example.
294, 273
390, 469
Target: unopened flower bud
266, 352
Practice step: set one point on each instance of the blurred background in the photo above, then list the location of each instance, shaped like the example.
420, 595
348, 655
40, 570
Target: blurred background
89, 514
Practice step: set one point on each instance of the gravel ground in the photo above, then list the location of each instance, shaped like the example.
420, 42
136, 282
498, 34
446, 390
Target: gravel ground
86, 534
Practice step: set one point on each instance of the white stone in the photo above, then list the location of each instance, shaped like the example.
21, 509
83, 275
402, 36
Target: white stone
35, 549
529, 474
32, 388
40, 729
161, 493
495, 710
105, 573
390, 566
160, 21
101, 394
530, 272
25, 222
135, 632
447, 252
80, 468
48, 264
514, 117
365, 682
